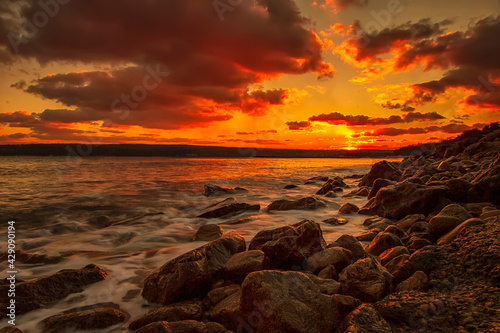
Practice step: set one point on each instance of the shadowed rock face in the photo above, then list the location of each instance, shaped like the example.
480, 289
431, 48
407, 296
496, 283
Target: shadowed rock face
274, 301
290, 245
404, 199
36, 294
191, 274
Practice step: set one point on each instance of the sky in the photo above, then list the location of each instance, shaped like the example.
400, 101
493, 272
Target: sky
307, 74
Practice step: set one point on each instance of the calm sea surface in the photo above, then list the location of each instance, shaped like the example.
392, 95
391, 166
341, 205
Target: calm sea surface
91, 210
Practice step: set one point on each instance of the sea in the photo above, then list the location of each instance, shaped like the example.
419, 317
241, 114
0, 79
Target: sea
130, 215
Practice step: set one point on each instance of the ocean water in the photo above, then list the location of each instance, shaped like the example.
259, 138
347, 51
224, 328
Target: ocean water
130, 215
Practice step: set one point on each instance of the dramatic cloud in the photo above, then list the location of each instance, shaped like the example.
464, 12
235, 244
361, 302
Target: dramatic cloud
336, 118
298, 125
172, 64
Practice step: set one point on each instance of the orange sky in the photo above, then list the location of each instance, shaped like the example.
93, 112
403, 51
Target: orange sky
334, 74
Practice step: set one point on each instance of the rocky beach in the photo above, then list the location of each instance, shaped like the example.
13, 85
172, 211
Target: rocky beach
428, 259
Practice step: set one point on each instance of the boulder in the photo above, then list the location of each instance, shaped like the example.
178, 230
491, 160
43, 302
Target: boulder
416, 243
425, 259
382, 169
215, 191
93, 317
377, 185
396, 231
364, 319
418, 281
345, 303
308, 203
189, 310
382, 242
246, 262
490, 213
208, 232
331, 194
42, 292
191, 274
290, 245
330, 185
274, 301
406, 198
392, 253
450, 237
486, 189
290, 187
397, 262
227, 311
458, 189
227, 208
336, 221
352, 244
448, 218
329, 272
335, 256
366, 280
368, 235
348, 208
32, 258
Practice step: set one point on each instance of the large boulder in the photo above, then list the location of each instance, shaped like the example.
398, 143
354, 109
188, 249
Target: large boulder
92, 317
227, 208
290, 245
364, 319
189, 310
39, 293
348, 208
383, 242
366, 280
308, 203
330, 185
378, 184
382, 169
191, 274
274, 301
212, 190
448, 219
404, 199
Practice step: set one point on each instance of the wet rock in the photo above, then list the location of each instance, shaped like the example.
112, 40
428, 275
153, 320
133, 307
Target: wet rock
448, 218
376, 220
377, 185
335, 256
392, 253
227, 311
212, 190
189, 310
366, 280
227, 208
382, 242
397, 262
290, 187
368, 235
396, 231
94, 317
308, 203
336, 221
246, 262
382, 169
191, 274
418, 281
218, 294
348, 208
352, 244
319, 179
444, 166
39, 293
331, 194
402, 199
208, 232
274, 300
450, 237
364, 319
290, 245
330, 185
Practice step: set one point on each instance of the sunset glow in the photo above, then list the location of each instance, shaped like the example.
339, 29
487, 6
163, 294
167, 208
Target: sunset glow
277, 74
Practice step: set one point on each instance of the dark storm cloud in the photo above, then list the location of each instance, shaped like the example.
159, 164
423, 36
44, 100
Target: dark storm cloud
449, 128
298, 125
336, 118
